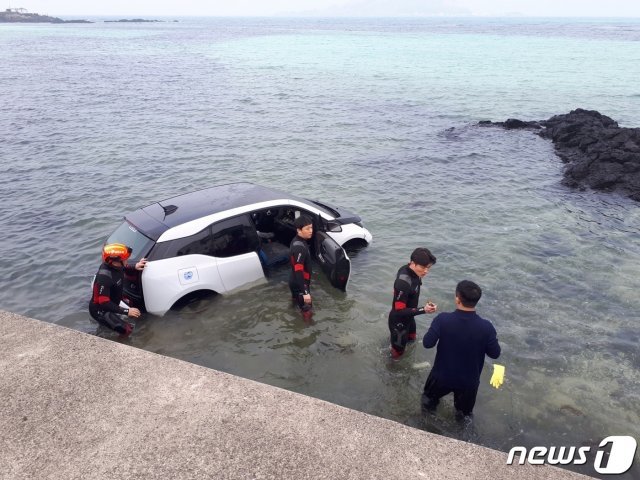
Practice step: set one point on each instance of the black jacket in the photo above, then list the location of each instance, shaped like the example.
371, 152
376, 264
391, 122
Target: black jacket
406, 295
463, 339
107, 290
300, 259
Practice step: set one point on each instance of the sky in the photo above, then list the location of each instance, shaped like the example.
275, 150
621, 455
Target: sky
496, 8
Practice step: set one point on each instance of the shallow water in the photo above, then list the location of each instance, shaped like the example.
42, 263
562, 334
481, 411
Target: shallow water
377, 116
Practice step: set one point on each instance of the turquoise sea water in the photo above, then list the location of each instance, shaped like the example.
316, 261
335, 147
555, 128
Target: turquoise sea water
376, 115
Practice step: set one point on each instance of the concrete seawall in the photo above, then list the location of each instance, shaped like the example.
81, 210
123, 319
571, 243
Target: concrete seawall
79, 406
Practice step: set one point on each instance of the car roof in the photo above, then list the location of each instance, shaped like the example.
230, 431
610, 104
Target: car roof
156, 218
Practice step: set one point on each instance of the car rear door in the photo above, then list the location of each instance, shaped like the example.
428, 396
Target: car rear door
235, 245
333, 259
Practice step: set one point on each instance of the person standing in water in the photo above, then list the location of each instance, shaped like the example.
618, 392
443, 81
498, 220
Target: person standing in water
104, 305
300, 259
406, 294
463, 338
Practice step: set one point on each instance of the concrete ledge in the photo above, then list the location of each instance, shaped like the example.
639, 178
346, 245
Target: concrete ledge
78, 406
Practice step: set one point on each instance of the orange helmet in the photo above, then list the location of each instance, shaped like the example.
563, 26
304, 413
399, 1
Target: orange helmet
116, 251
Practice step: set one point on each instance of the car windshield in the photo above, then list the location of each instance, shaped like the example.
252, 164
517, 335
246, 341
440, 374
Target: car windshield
129, 235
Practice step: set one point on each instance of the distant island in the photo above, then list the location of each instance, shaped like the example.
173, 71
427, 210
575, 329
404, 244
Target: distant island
20, 15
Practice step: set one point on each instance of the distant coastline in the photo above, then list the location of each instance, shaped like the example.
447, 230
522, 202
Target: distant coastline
20, 15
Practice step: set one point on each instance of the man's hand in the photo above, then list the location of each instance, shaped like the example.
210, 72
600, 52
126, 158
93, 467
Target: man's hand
133, 312
430, 307
307, 298
141, 264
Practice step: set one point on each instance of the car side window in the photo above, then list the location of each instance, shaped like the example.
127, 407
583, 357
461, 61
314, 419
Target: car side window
289, 215
234, 236
199, 243
315, 218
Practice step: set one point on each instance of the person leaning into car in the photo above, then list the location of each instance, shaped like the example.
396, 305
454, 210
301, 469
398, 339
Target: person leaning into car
300, 275
104, 306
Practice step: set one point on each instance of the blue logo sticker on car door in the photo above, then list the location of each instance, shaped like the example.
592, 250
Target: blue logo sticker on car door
188, 275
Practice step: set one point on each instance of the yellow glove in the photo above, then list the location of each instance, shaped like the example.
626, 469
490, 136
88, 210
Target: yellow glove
498, 375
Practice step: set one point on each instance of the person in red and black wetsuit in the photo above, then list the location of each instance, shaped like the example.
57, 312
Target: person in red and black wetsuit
406, 294
300, 275
104, 306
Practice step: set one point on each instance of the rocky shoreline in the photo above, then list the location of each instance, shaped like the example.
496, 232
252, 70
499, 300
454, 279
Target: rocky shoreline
21, 16
13, 16
599, 154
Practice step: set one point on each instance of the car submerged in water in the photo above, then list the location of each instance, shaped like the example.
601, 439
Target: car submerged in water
221, 238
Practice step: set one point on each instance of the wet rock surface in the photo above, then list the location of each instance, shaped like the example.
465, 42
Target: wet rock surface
599, 154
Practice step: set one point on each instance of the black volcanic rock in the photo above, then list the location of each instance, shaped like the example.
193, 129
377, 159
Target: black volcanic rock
511, 124
599, 154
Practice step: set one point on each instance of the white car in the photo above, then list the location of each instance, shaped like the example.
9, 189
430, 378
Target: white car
221, 238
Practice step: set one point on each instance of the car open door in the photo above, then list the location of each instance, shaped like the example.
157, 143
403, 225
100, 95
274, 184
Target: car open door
333, 259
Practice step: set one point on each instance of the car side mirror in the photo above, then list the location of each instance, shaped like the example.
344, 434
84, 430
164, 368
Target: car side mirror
334, 227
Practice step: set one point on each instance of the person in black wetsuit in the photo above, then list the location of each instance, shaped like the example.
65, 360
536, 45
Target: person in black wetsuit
406, 294
463, 339
300, 275
104, 305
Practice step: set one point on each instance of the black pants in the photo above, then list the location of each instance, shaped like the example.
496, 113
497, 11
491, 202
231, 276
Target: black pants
296, 296
111, 320
298, 300
402, 331
464, 399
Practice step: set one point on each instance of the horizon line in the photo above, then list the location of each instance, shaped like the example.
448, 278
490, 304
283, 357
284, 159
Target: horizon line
509, 16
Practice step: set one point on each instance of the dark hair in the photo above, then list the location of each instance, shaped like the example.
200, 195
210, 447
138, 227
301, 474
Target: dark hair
302, 221
422, 256
469, 293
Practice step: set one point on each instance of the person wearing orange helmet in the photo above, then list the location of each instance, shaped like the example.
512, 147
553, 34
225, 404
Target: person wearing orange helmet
104, 306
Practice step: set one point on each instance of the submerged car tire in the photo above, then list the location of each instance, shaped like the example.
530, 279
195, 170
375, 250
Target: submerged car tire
193, 297
353, 246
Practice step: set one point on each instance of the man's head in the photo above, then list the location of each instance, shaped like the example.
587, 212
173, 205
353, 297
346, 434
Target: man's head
421, 261
116, 254
304, 226
468, 293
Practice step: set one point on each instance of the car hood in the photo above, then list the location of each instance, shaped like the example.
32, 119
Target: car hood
343, 216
